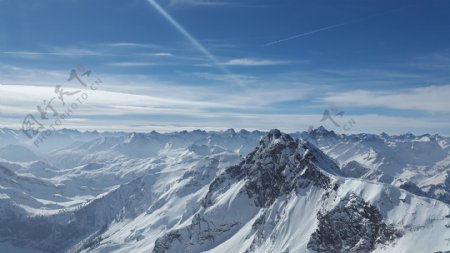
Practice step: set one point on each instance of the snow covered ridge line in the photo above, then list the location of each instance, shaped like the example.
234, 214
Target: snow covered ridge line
193, 192
415, 163
268, 202
37, 130
66, 136
419, 164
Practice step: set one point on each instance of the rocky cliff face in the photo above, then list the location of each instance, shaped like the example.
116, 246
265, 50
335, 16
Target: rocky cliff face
352, 226
276, 167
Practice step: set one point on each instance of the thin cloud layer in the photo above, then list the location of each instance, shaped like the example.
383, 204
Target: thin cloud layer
254, 62
432, 99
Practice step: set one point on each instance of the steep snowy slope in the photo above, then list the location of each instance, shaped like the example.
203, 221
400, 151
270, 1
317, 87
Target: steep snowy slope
17, 153
193, 192
90, 198
417, 163
286, 196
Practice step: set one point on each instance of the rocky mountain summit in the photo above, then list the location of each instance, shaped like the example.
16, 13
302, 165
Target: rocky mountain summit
259, 192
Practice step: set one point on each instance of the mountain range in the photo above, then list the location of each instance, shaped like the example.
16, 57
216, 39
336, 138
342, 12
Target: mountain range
225, 191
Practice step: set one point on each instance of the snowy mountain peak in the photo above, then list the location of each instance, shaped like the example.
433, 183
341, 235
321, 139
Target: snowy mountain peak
274, 137
277, 166
322, 131
230, 132
136, 137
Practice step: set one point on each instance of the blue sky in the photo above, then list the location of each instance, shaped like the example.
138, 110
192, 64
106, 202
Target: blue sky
214, 64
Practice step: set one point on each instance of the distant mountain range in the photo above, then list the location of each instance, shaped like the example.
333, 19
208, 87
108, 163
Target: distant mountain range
228, 191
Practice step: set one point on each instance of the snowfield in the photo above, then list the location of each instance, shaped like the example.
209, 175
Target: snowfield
228, 191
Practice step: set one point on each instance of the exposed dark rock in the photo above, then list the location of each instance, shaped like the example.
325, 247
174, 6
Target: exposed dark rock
353, 226
413, 188
354, 169
277, 166
163, 244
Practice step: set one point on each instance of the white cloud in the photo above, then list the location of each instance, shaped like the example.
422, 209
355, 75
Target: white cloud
432, 99
17, 97
76, 52
103, 49
143, 102
245, 79
131, 45
11, 74
439, 60
24, 54
131, 64
254, 62
370, 123
66, 52
163, 54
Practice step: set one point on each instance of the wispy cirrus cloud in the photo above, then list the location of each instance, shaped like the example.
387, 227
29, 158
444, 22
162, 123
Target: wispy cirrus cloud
131, 45
131, 64
243, 79
432, 99
65, 52
439, 60
249, 62
163, 54
99, 50
132, 102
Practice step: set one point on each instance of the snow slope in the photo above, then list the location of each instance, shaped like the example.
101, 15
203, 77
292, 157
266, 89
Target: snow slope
226, 192
419, 163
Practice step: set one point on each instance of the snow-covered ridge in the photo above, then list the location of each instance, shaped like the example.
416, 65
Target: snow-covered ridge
417, 163
225, 191
252, 207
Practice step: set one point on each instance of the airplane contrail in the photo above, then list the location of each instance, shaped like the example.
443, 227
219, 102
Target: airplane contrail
353, 21
307, 33
191, 39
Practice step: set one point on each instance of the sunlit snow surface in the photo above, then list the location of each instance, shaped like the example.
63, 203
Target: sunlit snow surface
121, 192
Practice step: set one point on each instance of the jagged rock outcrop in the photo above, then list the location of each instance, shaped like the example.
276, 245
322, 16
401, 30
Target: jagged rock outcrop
276, 167
352, 226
